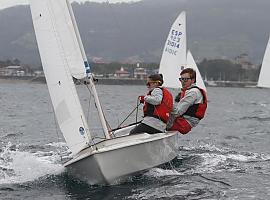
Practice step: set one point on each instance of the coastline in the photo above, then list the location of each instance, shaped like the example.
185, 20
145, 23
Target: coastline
19, 79
121, 81
102, 81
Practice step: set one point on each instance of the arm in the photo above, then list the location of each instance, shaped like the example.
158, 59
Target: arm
155, 98
171, 117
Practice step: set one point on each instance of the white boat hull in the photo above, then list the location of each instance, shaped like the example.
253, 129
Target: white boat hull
113, 160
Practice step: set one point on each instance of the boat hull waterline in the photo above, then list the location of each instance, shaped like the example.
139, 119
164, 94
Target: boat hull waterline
112, 161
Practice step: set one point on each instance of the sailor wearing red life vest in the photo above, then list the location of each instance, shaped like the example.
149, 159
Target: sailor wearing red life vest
158, 104
190, 104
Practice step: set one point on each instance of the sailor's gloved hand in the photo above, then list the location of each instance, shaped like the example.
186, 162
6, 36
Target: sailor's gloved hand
141, 98
168, 127
177, 98
170, 122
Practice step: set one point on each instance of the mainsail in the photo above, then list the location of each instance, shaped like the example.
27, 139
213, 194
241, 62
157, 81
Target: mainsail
62, 60
264, 80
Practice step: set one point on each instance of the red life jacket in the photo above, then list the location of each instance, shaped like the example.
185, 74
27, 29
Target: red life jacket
161, 111
196, 110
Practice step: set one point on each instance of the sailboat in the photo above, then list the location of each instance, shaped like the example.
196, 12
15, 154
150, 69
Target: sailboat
264, 81
176, 57
114, 158
192, 64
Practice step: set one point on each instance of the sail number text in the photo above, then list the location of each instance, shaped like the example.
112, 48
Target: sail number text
173, 41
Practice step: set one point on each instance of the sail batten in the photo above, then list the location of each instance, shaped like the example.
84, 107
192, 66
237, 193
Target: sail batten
264, 80
61, 60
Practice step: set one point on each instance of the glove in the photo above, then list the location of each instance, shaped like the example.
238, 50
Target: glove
141, 98
177, 98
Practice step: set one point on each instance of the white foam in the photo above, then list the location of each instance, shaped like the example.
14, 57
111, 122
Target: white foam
26, 167
208, 147
57, 144
212, 160
158, 172
263, 104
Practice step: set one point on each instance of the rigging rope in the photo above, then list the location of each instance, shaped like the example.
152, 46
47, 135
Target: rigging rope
111, 131
92, 95
138, 103
57, 133
136, 108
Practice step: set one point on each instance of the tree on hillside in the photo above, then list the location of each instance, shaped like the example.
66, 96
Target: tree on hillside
226, 70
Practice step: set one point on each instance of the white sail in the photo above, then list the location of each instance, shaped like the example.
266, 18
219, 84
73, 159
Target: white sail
87, 68
61, 59
264, 80
173, 59
192, 64
175, 56
65, 32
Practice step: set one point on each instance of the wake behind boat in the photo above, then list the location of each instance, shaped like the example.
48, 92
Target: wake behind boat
63, 58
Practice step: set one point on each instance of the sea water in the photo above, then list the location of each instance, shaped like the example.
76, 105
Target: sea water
226, 157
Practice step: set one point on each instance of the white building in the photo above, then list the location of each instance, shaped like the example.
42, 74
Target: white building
122, 73
12, 71
140, 73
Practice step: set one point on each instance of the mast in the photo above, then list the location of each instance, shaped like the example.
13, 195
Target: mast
185, 23
88, 72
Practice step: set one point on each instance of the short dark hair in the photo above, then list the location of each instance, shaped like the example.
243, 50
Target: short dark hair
157, 77
191, 72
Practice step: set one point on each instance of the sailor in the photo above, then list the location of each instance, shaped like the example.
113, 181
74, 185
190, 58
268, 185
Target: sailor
158, 103
190, 104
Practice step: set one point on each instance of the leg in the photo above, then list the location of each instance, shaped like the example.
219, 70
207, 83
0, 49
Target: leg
181, 125
143, 128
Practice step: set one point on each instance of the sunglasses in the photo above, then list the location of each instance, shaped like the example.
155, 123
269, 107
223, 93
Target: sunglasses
184, 79
149, 82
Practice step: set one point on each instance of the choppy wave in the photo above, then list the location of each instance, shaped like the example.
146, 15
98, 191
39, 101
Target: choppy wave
252, 103
213, 159
208, 159
21, 166
258, 118
197, 165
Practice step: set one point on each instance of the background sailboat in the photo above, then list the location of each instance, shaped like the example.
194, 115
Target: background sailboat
191, 63
175, 56
264, 80
63, 58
